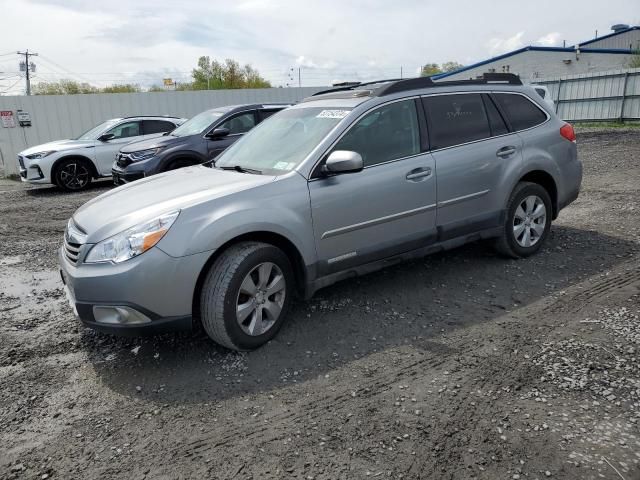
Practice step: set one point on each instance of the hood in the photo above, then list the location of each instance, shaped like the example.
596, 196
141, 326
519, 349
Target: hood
161, 141
140, 201
58, 145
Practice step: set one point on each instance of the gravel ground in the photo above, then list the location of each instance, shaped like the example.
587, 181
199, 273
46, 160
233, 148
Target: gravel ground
462, 365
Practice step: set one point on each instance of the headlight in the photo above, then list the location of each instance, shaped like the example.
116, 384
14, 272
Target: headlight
132, 242
145, 154
35, 156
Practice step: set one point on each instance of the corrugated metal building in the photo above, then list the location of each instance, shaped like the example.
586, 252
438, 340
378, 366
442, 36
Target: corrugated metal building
609, 52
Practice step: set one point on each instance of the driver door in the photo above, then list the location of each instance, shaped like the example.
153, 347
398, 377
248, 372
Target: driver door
105, 152
387, 208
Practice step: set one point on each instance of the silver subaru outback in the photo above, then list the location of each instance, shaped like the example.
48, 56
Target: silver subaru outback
336, 186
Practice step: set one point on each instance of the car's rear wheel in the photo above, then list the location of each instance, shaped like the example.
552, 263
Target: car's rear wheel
527, 223
246, 295
73, 174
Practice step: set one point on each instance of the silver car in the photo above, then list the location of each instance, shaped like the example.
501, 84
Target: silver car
341, 184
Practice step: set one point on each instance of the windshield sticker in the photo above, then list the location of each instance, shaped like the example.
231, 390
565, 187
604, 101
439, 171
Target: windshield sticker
284, 165
333, 114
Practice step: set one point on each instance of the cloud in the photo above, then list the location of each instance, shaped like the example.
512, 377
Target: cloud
503, 45
551, 39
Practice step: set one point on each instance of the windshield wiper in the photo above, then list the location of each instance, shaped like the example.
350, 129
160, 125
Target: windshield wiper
240, 169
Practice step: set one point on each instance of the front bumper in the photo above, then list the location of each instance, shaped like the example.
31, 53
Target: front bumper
122, 177
155, 285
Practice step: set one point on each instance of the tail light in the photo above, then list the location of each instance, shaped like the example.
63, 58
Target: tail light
567, 132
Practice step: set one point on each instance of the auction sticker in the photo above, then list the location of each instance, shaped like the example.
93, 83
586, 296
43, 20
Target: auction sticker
333, 114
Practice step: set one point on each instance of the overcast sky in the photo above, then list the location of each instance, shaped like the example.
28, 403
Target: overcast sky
119, 41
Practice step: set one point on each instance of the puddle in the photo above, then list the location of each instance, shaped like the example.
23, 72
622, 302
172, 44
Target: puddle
18, 283
10, 260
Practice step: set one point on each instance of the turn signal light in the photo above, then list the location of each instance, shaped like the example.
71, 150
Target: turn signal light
567, 132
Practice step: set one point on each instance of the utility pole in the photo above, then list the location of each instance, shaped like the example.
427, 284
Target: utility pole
299, 77
28, 67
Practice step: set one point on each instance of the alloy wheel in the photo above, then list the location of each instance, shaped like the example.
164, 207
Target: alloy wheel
261, 299
529, 221
74, 175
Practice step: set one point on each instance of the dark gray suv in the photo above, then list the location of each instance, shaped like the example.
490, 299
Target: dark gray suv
199, 140
341, 184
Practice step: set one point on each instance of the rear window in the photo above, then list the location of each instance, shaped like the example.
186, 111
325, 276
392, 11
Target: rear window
456, 119
520, 111
157, 126
541, 92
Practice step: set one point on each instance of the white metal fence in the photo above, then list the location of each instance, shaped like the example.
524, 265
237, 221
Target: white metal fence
55, 117
613, 95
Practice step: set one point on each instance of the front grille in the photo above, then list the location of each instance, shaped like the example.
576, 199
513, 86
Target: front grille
71, 250
123, 160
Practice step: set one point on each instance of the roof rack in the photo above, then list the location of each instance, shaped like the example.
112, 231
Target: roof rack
150, 116
354, 85
401, 85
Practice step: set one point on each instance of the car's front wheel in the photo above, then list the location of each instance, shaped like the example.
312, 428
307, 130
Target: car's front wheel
527, 223
246, 295
72, 175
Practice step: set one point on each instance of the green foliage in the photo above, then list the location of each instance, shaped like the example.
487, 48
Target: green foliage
450, 66
71, 87
433, 68
430, 69
122, 88
635, 59
63, 87
213, 75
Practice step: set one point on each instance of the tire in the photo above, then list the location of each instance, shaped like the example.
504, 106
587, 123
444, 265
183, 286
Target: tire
234, 273
526, 225
73, 175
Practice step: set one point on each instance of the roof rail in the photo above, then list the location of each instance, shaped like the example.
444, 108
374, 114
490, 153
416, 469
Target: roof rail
354, 85
401, 85
426, 82
150, 116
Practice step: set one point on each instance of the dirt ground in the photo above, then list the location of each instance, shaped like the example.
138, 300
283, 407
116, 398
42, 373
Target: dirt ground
462, 365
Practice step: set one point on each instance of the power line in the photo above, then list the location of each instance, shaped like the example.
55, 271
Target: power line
8, 89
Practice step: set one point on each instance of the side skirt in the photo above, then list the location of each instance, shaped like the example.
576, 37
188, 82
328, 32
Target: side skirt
421, 252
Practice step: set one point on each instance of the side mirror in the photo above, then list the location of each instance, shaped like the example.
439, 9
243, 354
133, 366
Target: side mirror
343, 161
106, 137
218, 133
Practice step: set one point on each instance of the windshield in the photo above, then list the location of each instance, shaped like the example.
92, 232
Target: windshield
197, 124
96, 131
279, 144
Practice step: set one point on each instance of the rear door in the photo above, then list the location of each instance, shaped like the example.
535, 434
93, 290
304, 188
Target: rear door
238, 124
473, 151
123, 133
388, 207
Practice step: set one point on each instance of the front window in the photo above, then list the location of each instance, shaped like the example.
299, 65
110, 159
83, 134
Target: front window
98, 130
280, 144
388, 133
125, 130
197, 124
240, 124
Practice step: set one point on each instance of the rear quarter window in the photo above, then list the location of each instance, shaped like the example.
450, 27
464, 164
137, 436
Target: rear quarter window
521, 112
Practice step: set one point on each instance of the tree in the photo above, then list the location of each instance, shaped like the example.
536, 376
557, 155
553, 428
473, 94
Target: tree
430, 69
213, 75
71, 87
450, 66
635, 59
433, 68
63, 87
122, 88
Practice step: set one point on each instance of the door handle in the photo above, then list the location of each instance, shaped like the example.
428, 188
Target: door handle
419, 173
506, 151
